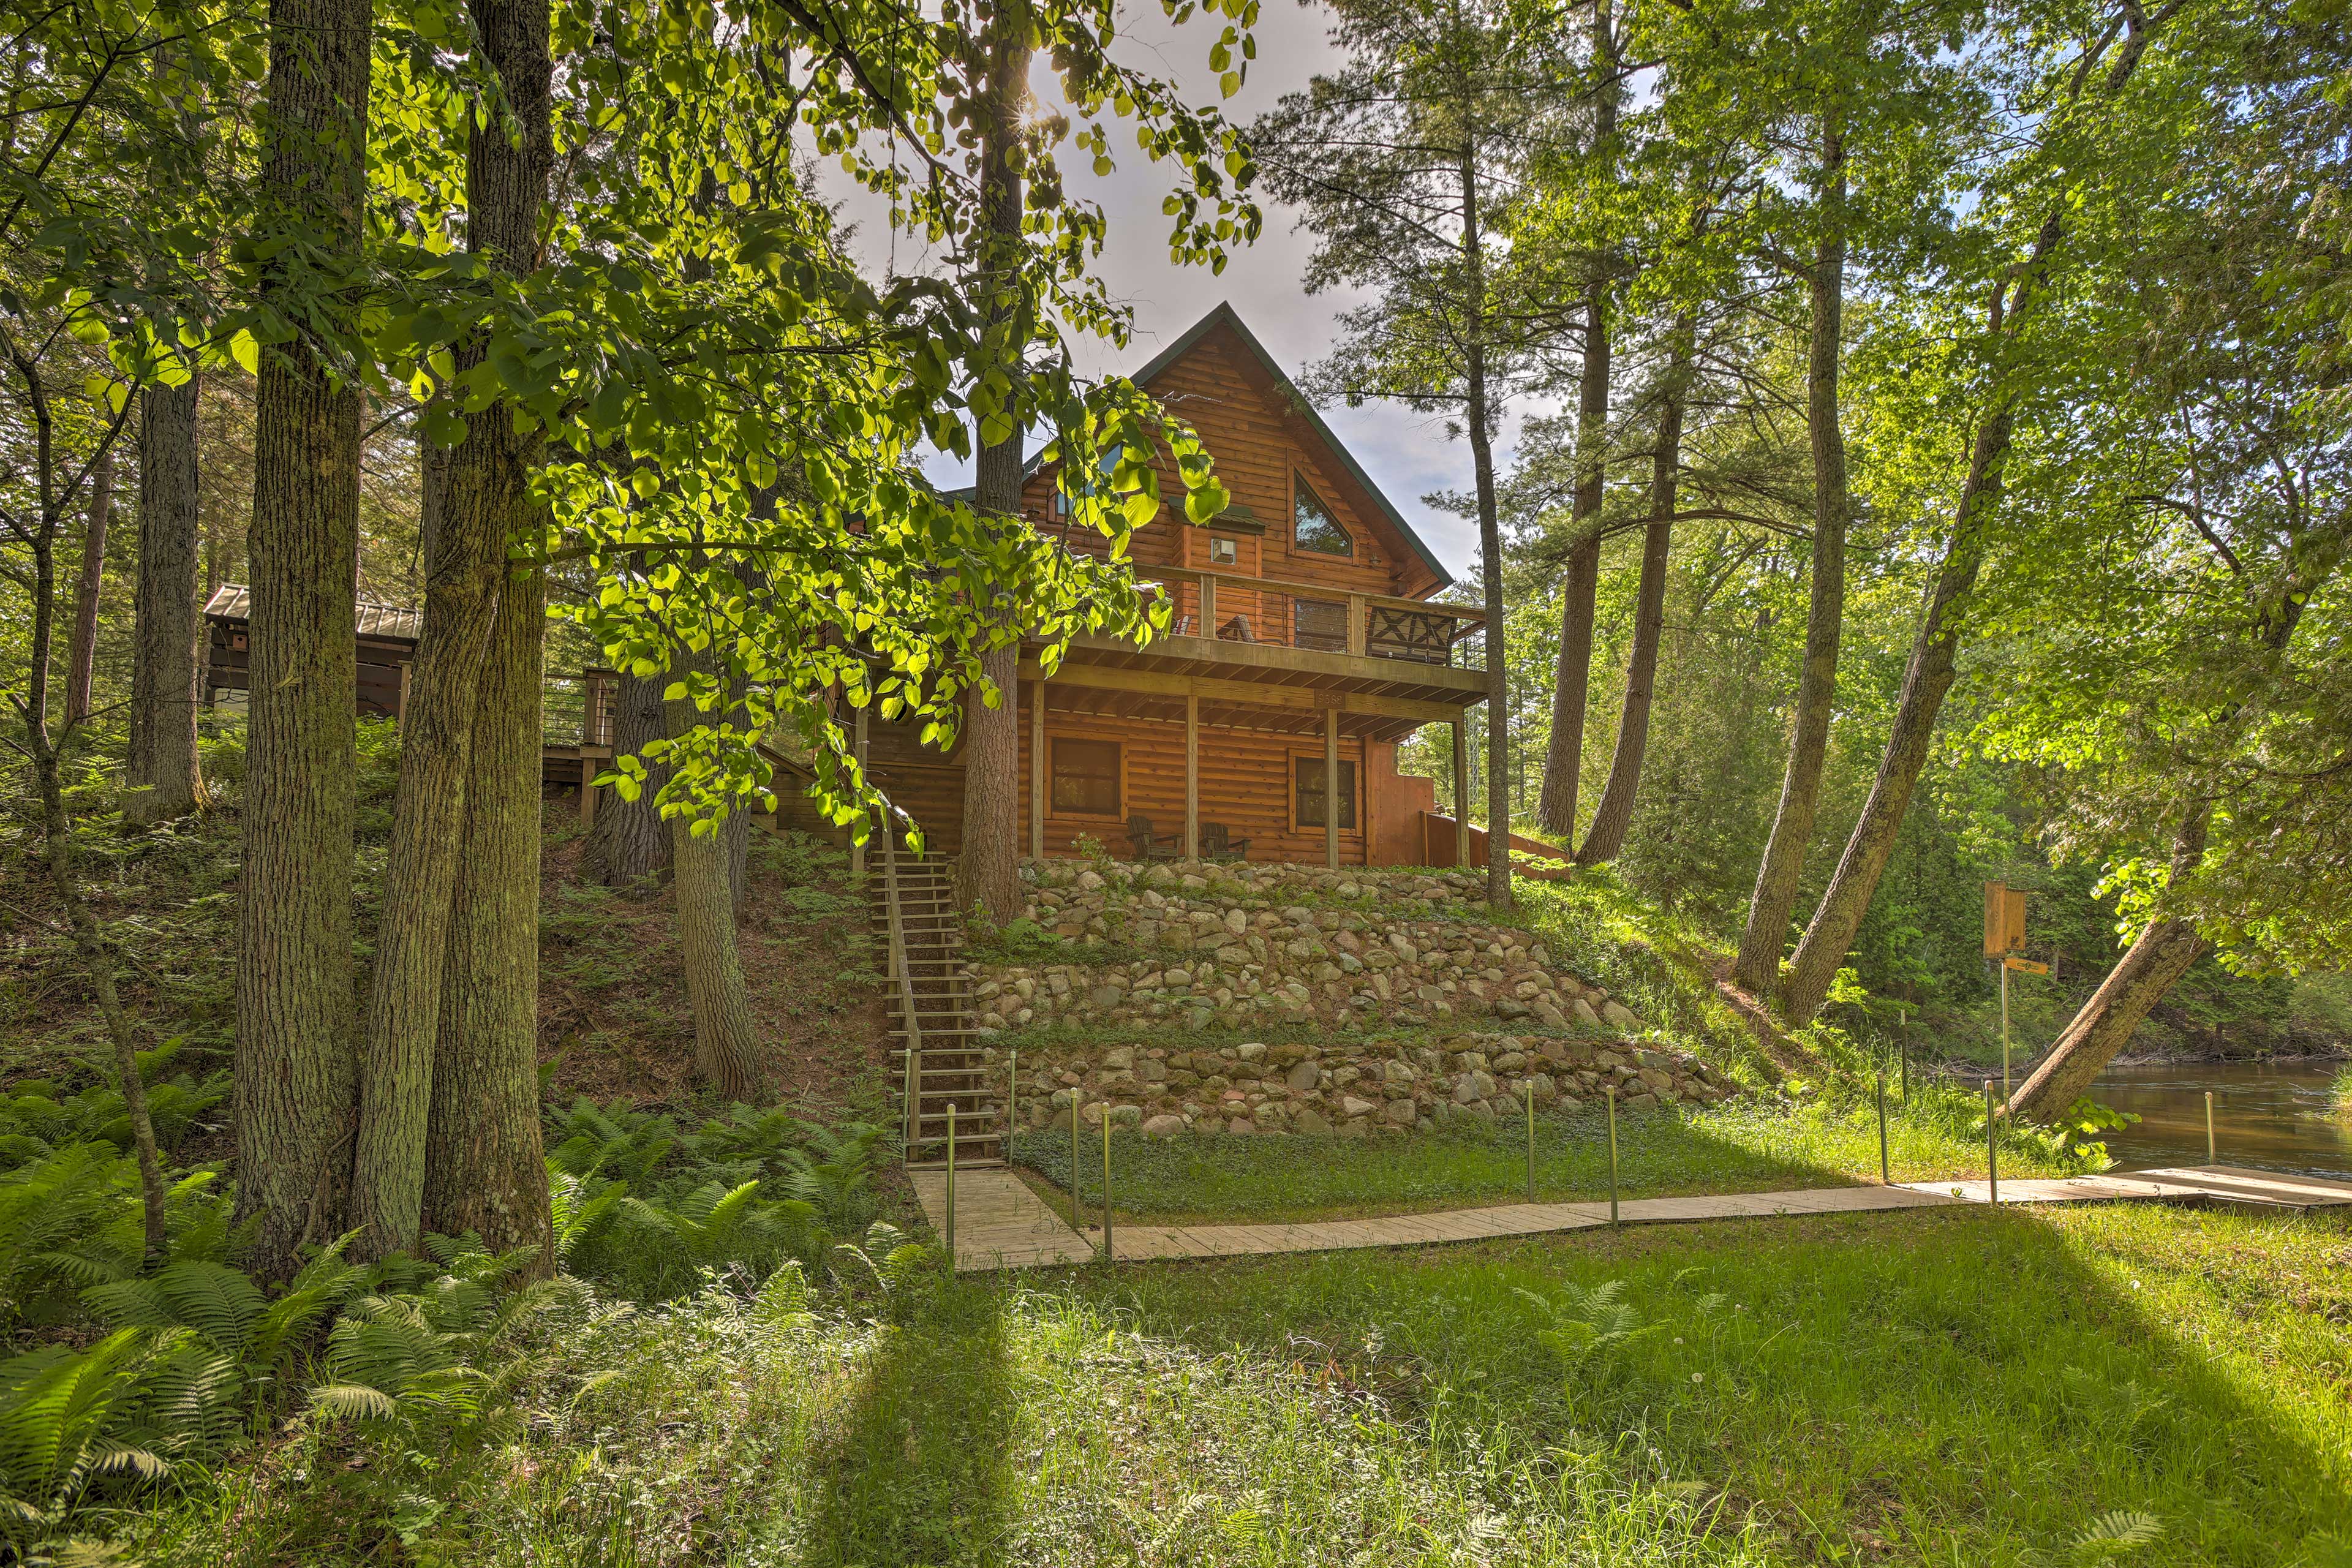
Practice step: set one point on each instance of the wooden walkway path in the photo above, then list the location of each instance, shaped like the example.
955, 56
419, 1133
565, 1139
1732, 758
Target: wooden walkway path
1000, 1224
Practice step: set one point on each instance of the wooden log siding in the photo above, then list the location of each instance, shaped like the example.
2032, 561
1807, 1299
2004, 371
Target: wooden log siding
1244, 784
1261, 448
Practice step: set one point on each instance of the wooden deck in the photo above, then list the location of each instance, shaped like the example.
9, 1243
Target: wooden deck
1001, 1224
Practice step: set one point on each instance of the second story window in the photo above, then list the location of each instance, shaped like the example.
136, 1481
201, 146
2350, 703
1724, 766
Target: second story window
1224, 552
1093, 487
1313, 528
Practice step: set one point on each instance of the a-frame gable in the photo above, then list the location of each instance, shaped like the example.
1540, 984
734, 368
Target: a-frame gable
1188, 369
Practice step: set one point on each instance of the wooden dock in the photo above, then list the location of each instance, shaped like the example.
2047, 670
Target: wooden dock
1001, 1224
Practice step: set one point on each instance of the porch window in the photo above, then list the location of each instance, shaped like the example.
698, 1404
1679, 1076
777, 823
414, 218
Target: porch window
1313, 528
1224, 552
1085, 777
1308, 795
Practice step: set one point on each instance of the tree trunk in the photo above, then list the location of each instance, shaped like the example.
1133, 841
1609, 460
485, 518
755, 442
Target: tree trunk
2151, 967
735, 833
1614, 815
628, 844
81, 652
56, 825
1814, 966
487, 502
988, 871
296, 1082
1490, 548
433, 465
1757, 967
484, 1168
165, 681
1563, 776
726, 1041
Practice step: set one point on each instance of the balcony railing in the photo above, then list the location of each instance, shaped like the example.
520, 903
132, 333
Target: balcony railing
577, 710
1233, 608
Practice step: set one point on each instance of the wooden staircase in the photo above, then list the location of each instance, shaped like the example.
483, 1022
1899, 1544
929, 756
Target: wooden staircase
914, 919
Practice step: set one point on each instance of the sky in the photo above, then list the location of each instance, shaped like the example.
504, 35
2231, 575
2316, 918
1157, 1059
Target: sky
1406, 453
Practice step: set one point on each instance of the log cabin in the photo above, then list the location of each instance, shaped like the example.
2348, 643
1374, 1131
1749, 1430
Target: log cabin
575, 709
1305, 644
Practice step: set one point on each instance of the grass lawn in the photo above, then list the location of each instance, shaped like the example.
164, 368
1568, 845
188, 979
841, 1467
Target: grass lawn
1928, 1388
1755, 1146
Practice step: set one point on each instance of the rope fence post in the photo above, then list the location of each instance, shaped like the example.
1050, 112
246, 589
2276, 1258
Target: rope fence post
1992, 1148
1531, 1140
1613, 1154
2209, 1156
1107, 1245
952, 1163
1885, 1172
1012, 1102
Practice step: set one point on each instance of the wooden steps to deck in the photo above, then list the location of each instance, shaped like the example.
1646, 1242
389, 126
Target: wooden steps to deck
915, 923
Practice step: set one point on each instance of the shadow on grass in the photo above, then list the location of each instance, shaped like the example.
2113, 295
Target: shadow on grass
915, 1469
1913, 1388
1291, 1177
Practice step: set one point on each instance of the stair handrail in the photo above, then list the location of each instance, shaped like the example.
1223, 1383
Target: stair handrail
905, 973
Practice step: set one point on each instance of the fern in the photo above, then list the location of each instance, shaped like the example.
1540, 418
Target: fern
60, 1228
56, 1411
212, 1298
579, 1213
1594, 1329
616, 1142
2113, 1534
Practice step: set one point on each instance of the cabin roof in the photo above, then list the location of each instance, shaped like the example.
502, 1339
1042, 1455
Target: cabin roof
1223, 315
234, 602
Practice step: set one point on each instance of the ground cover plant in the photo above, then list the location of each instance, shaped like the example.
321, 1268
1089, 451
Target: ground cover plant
2019, 1390
132, 1370
1931, 1387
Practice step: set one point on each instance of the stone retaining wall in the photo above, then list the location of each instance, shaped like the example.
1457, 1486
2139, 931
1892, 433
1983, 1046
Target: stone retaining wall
1233, 946
1228, 947
1350, 1087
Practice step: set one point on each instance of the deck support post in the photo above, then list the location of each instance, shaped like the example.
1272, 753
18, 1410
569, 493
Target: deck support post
1331, 788
1462, 798
587, 793
1192, 778
1038, 770
857, 750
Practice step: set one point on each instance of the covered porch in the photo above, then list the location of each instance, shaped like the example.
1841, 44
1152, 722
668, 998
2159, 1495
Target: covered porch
1272, 741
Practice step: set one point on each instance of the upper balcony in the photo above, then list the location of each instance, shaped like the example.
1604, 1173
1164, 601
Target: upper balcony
1229, 630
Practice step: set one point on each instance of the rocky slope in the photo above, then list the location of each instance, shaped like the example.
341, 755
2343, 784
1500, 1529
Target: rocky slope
1374, 964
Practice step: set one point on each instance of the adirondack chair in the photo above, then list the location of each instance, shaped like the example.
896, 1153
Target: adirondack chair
1217, 843
1145, 840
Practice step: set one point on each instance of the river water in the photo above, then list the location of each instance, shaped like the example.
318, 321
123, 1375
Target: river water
2276, 1116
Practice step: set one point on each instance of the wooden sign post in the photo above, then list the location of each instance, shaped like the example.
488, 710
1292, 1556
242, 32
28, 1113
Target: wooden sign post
2004, 935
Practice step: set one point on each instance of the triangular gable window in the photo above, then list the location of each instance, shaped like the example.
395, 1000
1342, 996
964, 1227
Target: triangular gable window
1313, 528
